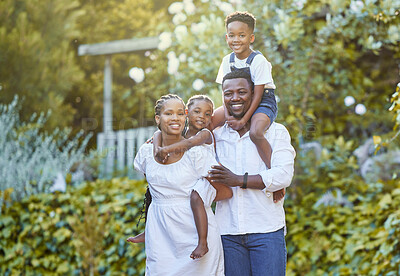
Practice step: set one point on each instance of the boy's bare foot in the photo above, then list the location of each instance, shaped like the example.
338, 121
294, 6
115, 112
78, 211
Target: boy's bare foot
136, 239
200, 251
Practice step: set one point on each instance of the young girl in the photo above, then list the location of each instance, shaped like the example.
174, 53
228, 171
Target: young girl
199, 110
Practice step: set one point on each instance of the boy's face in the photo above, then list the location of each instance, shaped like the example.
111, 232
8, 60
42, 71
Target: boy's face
239, 36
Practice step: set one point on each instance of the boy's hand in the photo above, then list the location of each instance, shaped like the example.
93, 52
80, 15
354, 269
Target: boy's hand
235, 124
278, 195
161, 154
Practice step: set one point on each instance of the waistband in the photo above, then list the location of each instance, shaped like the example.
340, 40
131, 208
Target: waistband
171, 201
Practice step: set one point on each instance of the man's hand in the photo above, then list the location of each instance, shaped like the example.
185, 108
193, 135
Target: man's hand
223, 175
278, 195
235, 123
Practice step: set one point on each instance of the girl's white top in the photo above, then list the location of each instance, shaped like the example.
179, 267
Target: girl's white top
171, 233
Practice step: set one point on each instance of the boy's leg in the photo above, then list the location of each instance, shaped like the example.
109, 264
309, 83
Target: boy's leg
236, 255
260, 122
267, 253
218, 118
201, 221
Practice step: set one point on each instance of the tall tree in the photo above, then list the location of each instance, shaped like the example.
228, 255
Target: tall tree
36, 59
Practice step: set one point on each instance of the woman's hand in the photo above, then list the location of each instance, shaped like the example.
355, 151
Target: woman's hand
223, 175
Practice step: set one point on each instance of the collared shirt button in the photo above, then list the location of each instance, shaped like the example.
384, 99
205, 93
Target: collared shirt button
268, 194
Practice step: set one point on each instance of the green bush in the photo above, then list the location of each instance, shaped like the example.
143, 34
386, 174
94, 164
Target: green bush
339, 223
338, 240
82, 231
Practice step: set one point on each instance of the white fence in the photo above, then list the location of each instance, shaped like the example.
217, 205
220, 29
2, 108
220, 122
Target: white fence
120, 148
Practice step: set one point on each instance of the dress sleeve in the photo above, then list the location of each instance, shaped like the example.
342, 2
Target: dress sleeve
205, 191
140, 160
203, 158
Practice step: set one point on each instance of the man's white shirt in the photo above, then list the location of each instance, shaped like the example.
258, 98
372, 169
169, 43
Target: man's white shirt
252, 210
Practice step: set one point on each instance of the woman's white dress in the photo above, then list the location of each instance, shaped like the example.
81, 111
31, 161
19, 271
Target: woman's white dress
171, 234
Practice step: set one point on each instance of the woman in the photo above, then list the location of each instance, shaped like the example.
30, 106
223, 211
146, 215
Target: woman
170, 227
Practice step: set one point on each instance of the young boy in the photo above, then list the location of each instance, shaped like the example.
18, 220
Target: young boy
263, 109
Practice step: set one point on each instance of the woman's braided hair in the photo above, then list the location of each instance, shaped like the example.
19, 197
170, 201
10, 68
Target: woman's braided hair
157, 111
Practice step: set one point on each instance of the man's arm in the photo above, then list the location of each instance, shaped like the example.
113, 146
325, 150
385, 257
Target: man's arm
222, 175
282, 162
279, 176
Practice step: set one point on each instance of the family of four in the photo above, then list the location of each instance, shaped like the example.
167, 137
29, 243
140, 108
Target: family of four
236, 156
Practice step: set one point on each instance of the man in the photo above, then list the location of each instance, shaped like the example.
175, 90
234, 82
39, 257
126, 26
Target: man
252, 225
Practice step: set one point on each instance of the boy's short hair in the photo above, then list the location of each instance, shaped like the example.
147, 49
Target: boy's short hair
244, 17
238, 74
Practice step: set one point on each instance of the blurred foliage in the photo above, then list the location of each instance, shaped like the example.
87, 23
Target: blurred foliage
30, 159
132, 102
36, 60
321, 52
339, 224
75, 233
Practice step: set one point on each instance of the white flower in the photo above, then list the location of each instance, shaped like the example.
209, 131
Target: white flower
165, 41
188, 6
356, 6
175, 7
198, 84
179, 18
137, 74
226, 8
349, 100
180, 32
203, 46
173, 63
52, 214
393, 34
182, 57
360, 109
299, 4
148, 70
152, 57
40, 219
171, 55
198, 28
147, 53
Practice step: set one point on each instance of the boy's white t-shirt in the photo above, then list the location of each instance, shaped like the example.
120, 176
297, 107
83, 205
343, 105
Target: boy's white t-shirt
260, 70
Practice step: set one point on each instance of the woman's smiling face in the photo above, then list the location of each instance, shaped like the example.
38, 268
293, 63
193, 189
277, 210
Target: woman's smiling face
172, 117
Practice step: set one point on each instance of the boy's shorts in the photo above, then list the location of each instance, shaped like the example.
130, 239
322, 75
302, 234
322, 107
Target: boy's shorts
268, 104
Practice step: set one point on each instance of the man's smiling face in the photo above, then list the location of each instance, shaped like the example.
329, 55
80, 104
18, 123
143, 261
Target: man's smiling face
237, 96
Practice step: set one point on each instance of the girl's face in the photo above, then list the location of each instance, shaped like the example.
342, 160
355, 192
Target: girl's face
172, 117
199, 114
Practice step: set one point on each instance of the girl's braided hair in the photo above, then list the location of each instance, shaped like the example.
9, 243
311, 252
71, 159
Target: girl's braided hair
200, 98
157, 111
